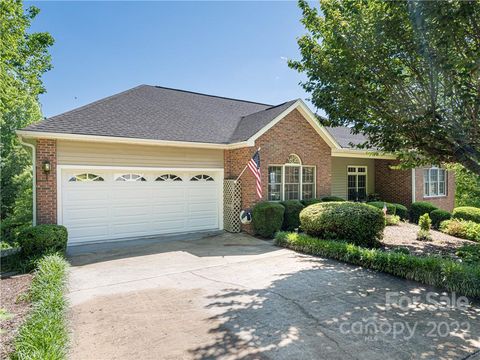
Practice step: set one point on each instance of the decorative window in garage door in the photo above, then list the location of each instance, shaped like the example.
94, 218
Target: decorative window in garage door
86, 177
130, 177
168, 177
202, 177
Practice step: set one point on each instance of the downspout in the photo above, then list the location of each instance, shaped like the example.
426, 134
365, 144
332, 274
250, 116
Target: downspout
34, 178
413, 186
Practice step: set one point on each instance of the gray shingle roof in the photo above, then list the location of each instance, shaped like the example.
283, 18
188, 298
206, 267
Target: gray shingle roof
344, 136
157, 113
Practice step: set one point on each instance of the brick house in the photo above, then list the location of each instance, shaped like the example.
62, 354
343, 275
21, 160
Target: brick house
153, 160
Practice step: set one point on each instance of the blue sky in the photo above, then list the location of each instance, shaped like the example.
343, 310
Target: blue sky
233, 49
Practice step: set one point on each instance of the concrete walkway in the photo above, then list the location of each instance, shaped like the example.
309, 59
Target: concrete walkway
236, 297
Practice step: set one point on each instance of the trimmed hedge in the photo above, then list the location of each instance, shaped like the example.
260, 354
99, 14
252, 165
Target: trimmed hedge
332, 198
431, 270
42, 239
419, 208
309, 202
401, 210
291, 219
44, 334
391, 209
361, 224
267, 218
463, 229
438, 216
467, 213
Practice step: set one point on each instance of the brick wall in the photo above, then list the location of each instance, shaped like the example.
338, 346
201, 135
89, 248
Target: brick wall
46, 182
443, 202
293, 134
393, 185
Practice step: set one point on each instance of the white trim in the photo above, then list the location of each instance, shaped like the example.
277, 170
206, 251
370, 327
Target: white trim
352, 153
445, 194
283, 166
307, 114
356, 173
34, 179
59, 169
112, 139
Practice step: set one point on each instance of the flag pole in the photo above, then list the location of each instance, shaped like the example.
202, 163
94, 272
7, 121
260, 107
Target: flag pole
245, 168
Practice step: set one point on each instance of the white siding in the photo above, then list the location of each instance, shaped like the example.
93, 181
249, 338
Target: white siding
95, 153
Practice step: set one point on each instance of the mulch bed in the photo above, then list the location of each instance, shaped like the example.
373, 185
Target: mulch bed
10, 290
405, 235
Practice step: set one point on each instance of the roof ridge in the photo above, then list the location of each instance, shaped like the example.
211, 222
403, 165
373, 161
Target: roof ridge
216, 96
96, 102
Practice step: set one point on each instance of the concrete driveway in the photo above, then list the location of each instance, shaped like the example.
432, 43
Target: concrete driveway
231, 296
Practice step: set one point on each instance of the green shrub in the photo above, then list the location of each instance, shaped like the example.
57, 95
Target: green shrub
267, 218
419, 208
425, 224
391, 220
332, 198
373, 197
461, 228
44, 334
470, 254
402, 250
291, 219
358, 223
42, 239
391, 209
431, 270
438, 216
401, 210
467, 213
308, 202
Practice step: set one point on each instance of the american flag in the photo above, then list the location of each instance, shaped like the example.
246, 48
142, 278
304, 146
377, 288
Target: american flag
254, 166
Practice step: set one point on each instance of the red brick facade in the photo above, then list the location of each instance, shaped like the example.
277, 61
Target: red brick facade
292, 135
46, 182
396, 186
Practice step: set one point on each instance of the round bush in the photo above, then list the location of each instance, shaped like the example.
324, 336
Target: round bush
332, 198
309, 202
391, 209
438, 216
291, 219
356, 223
267, 218
401, 210
467, 213
419, 208
40, 239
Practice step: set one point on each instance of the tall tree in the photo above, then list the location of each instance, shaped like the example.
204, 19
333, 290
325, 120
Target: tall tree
24, 58
404, 73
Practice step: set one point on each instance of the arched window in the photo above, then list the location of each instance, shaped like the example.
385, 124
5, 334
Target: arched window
86, 177
168, 177
294, 159
130, 177
201, 177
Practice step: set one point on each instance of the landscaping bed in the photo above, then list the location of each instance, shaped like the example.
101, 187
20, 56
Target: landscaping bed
14, 308
405, 235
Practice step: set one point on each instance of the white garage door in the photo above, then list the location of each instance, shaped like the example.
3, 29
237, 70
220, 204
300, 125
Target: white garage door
115, 204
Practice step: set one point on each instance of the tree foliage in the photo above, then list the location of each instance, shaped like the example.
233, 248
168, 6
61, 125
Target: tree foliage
405, 73
467, 190
24, 58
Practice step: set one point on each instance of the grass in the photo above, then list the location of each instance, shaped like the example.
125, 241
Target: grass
44, 334
431, 270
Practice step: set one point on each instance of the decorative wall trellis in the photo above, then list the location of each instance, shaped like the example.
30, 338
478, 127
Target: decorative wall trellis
232, 203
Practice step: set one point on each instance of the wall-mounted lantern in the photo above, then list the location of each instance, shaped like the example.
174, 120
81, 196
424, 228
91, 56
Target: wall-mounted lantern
46, 167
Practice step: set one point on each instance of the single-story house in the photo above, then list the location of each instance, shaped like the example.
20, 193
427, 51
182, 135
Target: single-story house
154, 160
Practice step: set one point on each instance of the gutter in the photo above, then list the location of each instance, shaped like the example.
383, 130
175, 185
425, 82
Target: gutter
413, 186
34, 177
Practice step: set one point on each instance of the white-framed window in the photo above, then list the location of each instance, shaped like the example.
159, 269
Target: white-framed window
130, 177
86, 177
291, 181
168, 177
356, 183
435, 182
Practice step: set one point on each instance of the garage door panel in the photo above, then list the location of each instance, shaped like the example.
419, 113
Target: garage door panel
111, 209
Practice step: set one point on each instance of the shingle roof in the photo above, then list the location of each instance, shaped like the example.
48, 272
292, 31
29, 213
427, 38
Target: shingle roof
158, 113
345, 137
